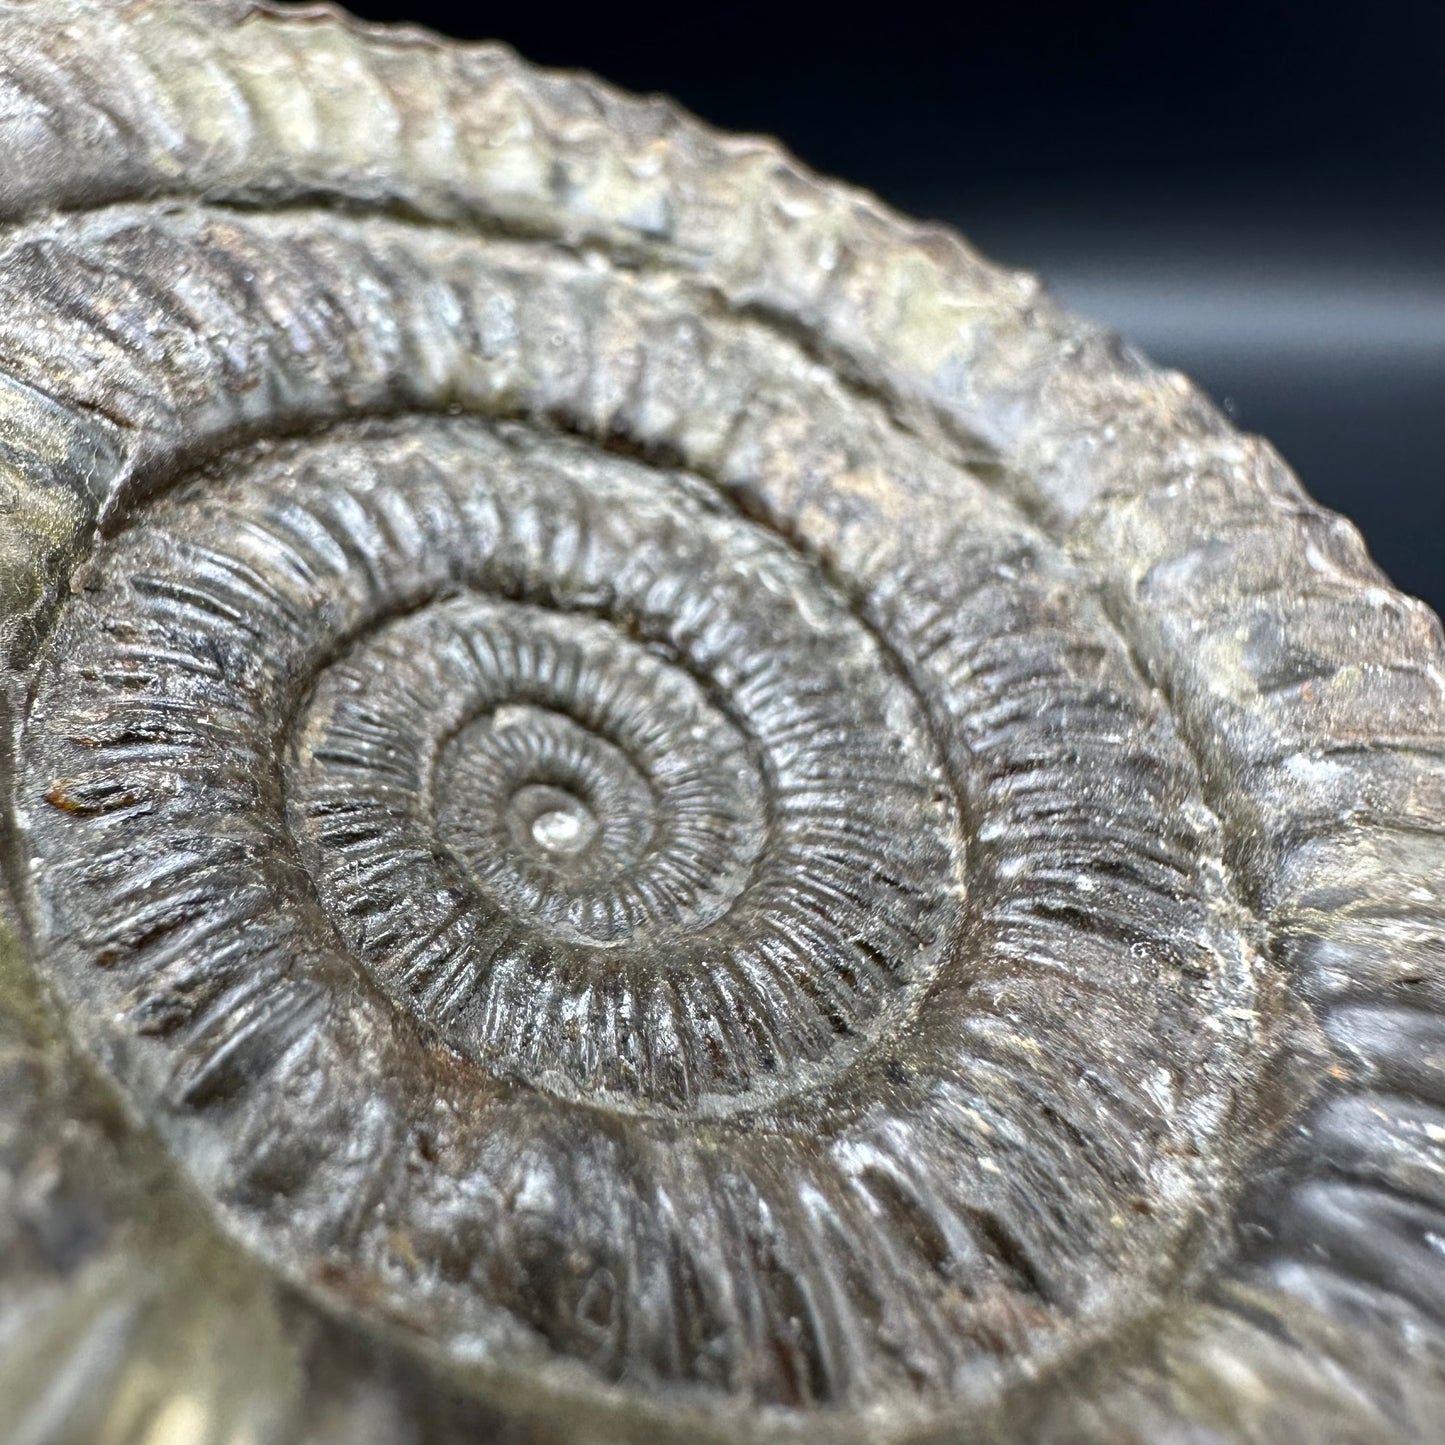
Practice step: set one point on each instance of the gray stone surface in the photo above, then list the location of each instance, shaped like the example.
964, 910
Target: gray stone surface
643, 801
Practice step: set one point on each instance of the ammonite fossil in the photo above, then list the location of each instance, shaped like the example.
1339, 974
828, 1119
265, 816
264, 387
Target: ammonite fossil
644, 802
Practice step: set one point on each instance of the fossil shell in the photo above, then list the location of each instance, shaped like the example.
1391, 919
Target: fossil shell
647, 802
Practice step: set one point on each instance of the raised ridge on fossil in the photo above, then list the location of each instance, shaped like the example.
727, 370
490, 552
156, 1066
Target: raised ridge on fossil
645, 802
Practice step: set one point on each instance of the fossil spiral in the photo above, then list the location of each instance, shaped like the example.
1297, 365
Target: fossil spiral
643, 801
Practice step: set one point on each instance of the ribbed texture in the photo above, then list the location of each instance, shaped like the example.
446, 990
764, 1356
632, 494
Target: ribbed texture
1101, 741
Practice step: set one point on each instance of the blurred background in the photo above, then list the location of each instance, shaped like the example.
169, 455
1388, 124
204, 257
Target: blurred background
1254, 193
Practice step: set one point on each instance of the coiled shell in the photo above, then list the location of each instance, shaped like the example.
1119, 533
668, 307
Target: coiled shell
671, 806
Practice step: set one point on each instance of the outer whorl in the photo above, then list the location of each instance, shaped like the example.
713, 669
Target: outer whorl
646, 802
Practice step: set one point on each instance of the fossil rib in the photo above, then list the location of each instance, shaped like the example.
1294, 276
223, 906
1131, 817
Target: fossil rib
645, 802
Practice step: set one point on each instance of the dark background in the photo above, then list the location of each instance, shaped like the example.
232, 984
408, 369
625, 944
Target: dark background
1255, 193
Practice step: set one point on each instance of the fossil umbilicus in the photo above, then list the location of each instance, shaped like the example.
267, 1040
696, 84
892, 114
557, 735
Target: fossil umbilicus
646, 802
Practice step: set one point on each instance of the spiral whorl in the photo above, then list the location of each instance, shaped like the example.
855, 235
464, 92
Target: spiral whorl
680, 804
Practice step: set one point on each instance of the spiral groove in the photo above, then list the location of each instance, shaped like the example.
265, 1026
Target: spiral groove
451, 621
718, 930
676, 800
